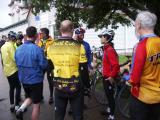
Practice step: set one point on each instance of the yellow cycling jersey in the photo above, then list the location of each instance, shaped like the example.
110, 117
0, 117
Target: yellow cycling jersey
45, 43
8, 52
66, 54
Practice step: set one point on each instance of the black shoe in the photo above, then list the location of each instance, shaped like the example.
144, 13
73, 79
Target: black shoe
19, 114
50, 100
12, 108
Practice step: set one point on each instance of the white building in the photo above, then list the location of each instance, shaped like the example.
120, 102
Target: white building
22, 17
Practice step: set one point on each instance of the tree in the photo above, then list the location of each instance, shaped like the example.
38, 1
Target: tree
99, 13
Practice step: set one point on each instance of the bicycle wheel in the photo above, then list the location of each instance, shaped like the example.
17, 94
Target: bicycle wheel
122, 102
99, 92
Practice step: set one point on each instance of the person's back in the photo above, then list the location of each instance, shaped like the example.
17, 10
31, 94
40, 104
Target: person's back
31, 63
30, 68
149, 53
145, 70
68, 57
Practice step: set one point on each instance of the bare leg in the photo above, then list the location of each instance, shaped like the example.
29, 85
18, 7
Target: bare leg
36, 111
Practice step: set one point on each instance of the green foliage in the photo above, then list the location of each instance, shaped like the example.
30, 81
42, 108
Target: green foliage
99, 13
122, 59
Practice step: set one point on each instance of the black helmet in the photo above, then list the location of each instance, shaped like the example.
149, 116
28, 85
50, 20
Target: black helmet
12, 35
19, 36
109, 33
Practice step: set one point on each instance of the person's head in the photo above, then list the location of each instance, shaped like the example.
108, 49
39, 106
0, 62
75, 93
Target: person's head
20, 36
79, 34
67, 28
12, 36
106, 36
44, 33
31, 33
145, 23
19, 39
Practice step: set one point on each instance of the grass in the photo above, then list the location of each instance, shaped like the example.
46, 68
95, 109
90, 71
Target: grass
122, 59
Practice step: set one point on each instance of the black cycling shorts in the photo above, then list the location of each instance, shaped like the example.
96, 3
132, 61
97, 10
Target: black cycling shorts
34, 92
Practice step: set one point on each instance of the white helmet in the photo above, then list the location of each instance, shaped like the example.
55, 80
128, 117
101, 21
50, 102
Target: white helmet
108, 33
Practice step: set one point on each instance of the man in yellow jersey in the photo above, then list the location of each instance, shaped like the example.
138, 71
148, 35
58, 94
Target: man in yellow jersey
44, 43
68, 57
11, 71
145, 70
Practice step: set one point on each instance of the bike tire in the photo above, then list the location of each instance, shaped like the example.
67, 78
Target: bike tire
99, 92
122, 101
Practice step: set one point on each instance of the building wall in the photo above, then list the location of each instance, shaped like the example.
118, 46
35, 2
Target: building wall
124, 36
16, 29
124, 39
16, 13
44, 19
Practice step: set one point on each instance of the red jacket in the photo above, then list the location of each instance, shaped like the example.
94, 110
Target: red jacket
110, 62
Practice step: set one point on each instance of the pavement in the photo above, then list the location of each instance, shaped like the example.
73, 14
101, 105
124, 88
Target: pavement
47, 111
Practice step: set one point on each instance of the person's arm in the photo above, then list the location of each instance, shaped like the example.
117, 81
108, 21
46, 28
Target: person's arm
83, 68
42, 59
89, 56
113, 61
138, 62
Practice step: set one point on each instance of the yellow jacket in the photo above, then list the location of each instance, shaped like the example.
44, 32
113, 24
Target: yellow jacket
8, 52
45, 44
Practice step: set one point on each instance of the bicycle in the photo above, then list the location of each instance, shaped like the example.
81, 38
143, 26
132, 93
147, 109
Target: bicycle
121, 95
122, 100
97, 89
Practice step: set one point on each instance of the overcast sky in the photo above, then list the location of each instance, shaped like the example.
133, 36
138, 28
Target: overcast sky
4, 10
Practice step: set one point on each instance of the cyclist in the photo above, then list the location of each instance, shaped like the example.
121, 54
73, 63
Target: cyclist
110, 69
11, 71
44, 43
79, 36
3, 40
31, 63
145, 70
19, 39
68, 57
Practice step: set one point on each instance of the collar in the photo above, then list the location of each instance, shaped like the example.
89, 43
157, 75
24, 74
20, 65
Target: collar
147, 36
47, 39
28, 41
106, 46
65, 38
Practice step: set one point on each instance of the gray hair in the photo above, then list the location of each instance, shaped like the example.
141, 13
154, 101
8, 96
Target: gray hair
147, 19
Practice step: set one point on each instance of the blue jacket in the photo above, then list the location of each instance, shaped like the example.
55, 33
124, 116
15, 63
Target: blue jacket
31, 63
88, 52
